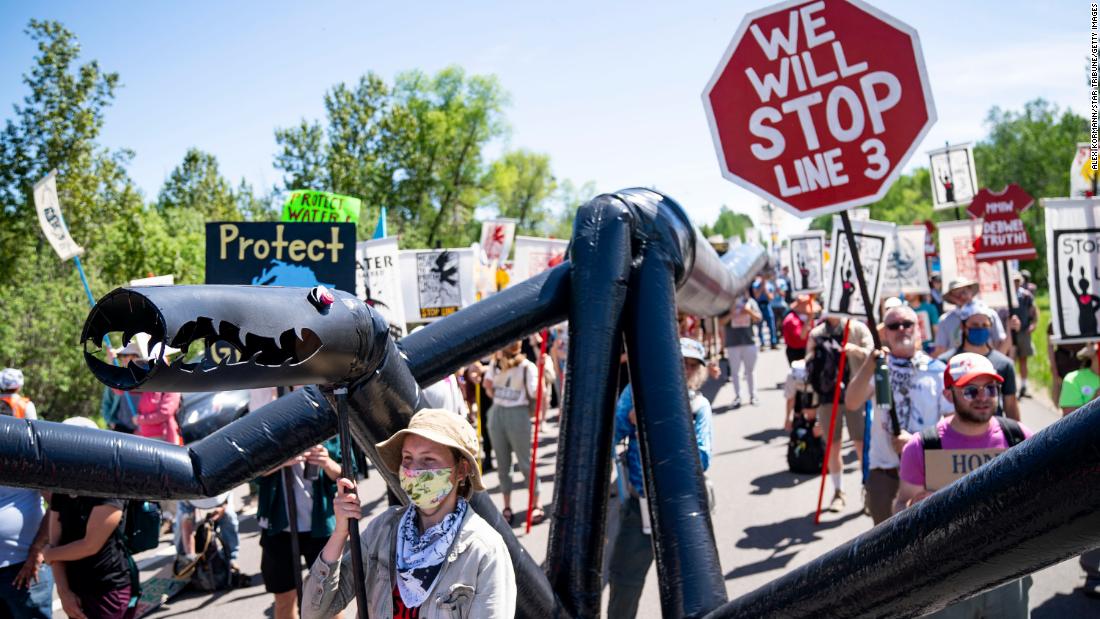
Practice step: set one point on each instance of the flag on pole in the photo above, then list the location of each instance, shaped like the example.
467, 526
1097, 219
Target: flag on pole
380, 229
51, 220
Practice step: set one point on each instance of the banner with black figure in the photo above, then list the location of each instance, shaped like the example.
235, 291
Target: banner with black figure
807, 262
872, 238
281, 254
1073, 264
906, 269
436, 282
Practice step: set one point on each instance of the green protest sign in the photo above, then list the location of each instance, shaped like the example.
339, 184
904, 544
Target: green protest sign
321, 206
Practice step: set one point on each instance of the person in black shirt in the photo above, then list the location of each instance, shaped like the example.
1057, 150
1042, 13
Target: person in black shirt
90, 563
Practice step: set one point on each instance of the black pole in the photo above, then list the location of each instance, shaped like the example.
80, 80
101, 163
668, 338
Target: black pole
347, 471
600, 266
857, 264
688, 569
292, 521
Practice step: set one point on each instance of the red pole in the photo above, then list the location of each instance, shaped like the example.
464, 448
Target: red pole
832, 420
535, 441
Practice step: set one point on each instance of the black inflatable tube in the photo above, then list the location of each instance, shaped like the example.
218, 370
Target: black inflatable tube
1032, 507
471, 333
66, 458
688, 569
601, 261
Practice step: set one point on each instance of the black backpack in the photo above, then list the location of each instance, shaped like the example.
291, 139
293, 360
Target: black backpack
212, 571
141, 525
805, 452
822, 366
1014, 434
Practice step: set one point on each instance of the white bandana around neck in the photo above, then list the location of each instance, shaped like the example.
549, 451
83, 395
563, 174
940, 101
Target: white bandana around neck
420, 557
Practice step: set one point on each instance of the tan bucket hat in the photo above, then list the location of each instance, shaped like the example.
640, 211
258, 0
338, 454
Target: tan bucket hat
439, 426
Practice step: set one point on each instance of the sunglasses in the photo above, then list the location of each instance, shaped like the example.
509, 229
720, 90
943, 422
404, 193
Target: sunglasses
971, 392
904, 324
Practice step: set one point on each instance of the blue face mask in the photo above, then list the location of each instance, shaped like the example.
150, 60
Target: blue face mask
977, 337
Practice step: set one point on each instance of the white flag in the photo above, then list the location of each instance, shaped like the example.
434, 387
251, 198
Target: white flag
49, 217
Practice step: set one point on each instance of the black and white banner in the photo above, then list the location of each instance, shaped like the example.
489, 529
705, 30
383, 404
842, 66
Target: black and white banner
378, 280
906, 269
1073, 265
807, 251
872, 238
436, 282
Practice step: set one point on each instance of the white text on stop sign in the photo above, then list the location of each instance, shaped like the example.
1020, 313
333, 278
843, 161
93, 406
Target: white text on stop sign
878, 91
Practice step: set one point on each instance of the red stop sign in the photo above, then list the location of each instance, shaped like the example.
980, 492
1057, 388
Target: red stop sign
817, 105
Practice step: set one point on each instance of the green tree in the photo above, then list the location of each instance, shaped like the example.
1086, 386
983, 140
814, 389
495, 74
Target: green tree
729, 224
196, 184
519, 185
569, 197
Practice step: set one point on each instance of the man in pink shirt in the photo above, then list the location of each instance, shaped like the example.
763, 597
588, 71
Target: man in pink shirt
972, 384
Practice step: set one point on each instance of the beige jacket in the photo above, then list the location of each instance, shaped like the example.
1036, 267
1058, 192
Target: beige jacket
476, 580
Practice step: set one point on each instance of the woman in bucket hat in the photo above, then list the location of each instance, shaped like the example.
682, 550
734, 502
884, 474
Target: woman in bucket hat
434, 558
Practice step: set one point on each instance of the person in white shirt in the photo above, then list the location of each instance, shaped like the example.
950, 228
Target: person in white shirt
512, 382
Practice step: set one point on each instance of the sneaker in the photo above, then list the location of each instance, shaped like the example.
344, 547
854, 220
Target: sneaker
838, 502
736, 403
1023, 392
754, 401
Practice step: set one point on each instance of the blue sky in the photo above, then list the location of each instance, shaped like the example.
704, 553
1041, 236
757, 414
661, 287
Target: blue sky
610, 90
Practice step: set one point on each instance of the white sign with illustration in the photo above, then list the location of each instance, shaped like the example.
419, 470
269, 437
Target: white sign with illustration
957, 261
906, 269
1082, 178
51, 220
436, 282
872, 237
807, 255
954, 181
1073, 265
535, 255
378, 280
496, 239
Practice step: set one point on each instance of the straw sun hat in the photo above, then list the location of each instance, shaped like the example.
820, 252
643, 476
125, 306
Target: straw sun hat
439, 426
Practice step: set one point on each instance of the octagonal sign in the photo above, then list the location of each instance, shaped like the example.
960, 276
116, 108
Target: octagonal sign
816, 106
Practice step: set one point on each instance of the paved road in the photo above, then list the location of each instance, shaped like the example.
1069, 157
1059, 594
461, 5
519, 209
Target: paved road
764, 525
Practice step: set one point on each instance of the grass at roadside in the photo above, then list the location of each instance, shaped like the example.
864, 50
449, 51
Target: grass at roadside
1039, 373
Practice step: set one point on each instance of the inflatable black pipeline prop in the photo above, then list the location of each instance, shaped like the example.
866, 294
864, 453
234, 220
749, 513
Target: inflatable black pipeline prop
1033, 506
303, 336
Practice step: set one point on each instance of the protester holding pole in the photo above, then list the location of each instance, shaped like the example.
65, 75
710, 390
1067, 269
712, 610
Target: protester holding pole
435, 557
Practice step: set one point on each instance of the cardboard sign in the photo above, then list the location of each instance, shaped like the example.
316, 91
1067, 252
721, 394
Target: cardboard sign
1073, 262
943, 466
951, 170
807, 253
281, 254
51, 220
307, 205
872, 238
496, 238
436, 283
956, 261
378, 281
906, 269
1082, 177
1003, 233
535, 255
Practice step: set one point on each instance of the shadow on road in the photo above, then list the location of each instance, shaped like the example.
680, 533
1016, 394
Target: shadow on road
780, 479
766, 436
775, 562
797, 531
1063, 605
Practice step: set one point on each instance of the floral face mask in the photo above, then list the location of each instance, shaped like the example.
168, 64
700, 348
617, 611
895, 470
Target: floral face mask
427, 488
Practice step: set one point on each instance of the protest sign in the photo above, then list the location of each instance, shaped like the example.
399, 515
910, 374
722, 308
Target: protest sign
807, 252
496, 238
817, 106
1003, 234
307, 205
436, 283
930, 239
1082, 178
957, 261
51, 220
378, 281
281, 254
951, 170
1073, 265
535, 255
872, 238
906, 269
943, 466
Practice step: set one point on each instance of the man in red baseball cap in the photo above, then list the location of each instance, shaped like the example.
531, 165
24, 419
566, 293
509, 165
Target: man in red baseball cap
965, 439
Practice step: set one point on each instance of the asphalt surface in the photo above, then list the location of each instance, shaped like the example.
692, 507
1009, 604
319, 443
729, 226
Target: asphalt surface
763, 524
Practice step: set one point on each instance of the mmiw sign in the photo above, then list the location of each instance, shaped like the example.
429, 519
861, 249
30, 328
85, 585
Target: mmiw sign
817, 105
